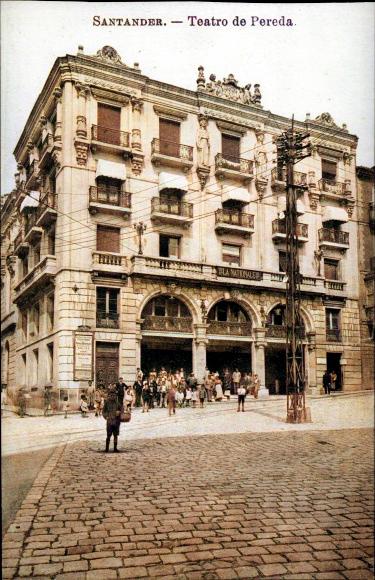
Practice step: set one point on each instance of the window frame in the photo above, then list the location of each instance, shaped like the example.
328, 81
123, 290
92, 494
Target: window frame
231, 264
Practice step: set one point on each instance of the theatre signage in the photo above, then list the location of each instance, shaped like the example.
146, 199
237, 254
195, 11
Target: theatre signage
239, 273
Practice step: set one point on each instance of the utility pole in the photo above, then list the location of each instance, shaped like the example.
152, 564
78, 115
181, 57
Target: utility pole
291, 148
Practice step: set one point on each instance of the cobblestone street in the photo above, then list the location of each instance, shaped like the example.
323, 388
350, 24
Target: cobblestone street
252, 505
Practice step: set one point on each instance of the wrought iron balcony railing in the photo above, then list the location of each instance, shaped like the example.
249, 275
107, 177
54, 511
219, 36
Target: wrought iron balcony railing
333, 335
334, 236
229, 328
107, 319
234, 218
333, 186
167, 323
30, 220
234, 163
110, 195
279, 174
279, 331
172, 149
110, 136
172, 207
279, 227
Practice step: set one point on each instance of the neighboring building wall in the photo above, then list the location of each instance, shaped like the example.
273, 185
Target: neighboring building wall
71, 153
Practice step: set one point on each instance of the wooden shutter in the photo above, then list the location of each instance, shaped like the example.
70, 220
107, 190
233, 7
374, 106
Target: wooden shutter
230, 148
329, 169
108, 239
109, 122
330, 269
169, 135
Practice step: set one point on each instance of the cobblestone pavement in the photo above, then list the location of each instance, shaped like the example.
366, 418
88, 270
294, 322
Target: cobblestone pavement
253, 505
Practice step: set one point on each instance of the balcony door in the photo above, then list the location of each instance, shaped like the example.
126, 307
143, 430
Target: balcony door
106, 363
109, 122
169, 135
230, 148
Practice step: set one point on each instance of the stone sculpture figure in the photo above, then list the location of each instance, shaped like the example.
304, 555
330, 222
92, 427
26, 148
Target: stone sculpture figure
203, 142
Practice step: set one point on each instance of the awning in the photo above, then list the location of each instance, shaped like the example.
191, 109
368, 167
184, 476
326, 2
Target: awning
236, 194
112, 169
172, 181
31, 200
335, 214
281, 206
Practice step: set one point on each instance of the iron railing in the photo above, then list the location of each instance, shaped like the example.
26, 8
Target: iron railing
172, 207
333, 335
332, 186
279, 331
234, 218
110, 136
234, 163
172, 149
48, 200
279, 174
279, 227
229, 328
110, 195
167, 323
334, 236
107, 319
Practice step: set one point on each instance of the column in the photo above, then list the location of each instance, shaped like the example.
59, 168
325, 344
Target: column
199, 351
310, 364
81, 129
260, 366
58, 126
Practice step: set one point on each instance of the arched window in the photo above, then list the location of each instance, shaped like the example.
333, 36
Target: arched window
166, 313
229, 318
276, 323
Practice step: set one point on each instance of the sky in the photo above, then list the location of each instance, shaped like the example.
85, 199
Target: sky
323, 63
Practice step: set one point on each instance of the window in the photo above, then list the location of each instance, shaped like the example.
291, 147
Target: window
36, 254
333, 324
51, 248
169, 135
169, 247
107, 307
24, 266
108, 239
230, 148
170, 203
24, 324
108, 190
50, 362
35, 368
35, 315
232, 254
331, 269
282, 261
166, 306
277, 316
109, 123
50, 311
23, 369
329, 170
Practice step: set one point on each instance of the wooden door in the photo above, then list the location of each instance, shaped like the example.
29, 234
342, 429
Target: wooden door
106, 363
109, 122
169, 135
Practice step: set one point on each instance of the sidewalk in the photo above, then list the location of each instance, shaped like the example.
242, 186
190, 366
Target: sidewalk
344, 411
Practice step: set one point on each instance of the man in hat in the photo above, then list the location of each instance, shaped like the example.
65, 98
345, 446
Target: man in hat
111, 412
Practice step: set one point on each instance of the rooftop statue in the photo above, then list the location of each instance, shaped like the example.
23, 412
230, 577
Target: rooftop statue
228, 89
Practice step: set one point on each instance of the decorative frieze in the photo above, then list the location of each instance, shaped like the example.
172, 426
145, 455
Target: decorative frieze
228, 89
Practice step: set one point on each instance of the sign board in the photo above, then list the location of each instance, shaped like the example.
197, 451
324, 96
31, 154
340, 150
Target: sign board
238, 273
83, 356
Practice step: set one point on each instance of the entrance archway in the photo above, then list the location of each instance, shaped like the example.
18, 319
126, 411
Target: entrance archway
167, 334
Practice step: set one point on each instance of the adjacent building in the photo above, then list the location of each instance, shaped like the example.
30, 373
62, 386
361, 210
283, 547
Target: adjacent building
147, 229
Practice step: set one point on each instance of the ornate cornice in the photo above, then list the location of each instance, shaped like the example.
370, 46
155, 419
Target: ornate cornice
170, 113
231, 127
109, 95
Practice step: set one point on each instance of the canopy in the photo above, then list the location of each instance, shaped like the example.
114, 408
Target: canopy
335, 214
281, 206
236, 194
172, 181
112, 169
31, 200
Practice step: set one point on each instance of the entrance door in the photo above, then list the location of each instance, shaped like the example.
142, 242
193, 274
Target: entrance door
106, 363
276, 369
334, 364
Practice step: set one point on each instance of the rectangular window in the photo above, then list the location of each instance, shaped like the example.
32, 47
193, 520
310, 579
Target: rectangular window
169, 247
109, 123
50, 362
35, 316
25, 266
333, 324
282, 261
107, 307
50, 311
51, 248
331, 269
329, 170
35, 369
109, 190
24, 324
36, 254
169, 135
232, 254
23, 369
230, 148
108, 239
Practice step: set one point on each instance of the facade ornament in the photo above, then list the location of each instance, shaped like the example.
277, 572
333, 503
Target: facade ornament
81, 126
136, 139
203, 142
109, 54
259, 136
261, 186
203, 173
82, 149
137, 104
314, 199
137, 163
228, 89
326, 119
57, 93
11, 262
43, 121
318, 255
204, 312
347, 158
30, 146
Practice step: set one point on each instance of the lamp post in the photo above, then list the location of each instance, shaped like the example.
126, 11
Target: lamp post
140, 228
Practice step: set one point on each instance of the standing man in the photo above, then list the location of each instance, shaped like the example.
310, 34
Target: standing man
171, 400
120, 390
236, 378
47, 400
327, 383
111, 412
333, 380
241, 398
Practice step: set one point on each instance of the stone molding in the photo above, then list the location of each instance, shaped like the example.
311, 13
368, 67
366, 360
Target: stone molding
170, 113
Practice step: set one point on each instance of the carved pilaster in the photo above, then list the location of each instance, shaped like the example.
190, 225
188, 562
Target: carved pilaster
261, 186
136, 139
82, 148
57, 93
81, 129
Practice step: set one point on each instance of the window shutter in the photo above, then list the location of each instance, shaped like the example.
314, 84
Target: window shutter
230, 148
169, 135
329, 169
330, 270
109, 123
108, 239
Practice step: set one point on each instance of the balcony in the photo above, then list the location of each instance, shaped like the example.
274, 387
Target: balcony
334, 287
107, 320
46, 150
278, 180
333, 188
234, 222
21, 247
279, 331
32, 230
46, 212
234, 168
279, 232
109, 264
167, 324
175, 212
32, 174
229, 328
109, 139
333, 238
109, 200
38, 278
333, 335
171, 154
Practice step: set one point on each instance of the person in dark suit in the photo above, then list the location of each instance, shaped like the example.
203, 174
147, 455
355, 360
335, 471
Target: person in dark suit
111, 412
327, 383
120, 390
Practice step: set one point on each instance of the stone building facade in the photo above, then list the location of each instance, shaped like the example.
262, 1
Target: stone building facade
147, 229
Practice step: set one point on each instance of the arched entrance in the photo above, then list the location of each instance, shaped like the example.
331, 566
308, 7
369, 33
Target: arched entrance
229, 336
167, 334
275, 354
